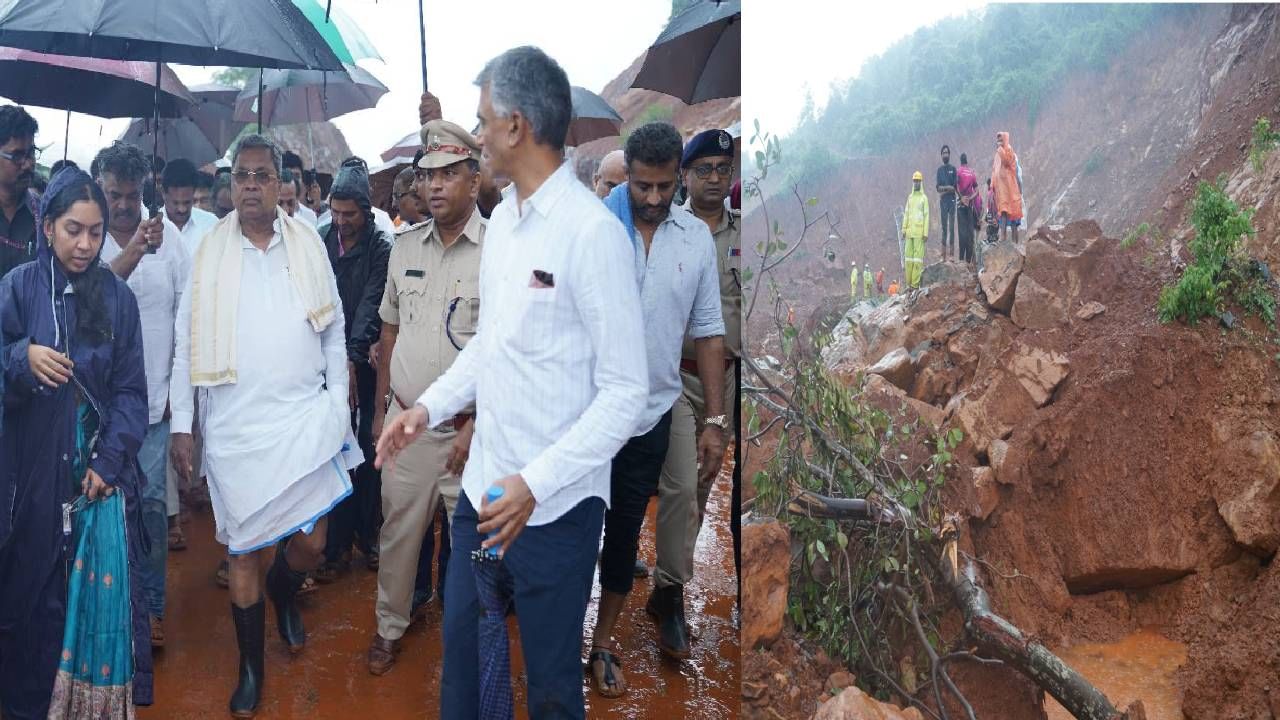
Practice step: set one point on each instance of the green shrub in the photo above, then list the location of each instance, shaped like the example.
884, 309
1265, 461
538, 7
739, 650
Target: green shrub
1221, 272
1263, 142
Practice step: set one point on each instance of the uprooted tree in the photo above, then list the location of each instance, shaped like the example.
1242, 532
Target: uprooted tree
861, 490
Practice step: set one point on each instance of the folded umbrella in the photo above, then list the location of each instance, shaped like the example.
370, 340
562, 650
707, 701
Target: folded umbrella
494, 587
699, 55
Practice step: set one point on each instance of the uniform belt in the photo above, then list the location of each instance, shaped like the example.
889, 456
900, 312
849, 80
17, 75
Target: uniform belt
458, 420
691, 366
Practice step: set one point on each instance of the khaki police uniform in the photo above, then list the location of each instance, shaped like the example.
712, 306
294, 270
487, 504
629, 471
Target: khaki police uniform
682, 499
432, 295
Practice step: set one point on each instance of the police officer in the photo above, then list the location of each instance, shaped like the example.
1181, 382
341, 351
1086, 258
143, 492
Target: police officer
429, 312
707, 168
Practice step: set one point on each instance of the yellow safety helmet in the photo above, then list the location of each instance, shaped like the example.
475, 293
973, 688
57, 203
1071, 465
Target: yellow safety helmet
918, 176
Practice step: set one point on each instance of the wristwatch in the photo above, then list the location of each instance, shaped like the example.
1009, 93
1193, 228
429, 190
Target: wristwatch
720, 421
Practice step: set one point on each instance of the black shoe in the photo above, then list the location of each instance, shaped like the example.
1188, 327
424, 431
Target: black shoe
250, 625
641, 570
666, 605
421, 599
283, 583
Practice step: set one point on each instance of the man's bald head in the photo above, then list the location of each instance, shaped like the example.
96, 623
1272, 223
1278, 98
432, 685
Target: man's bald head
611, 173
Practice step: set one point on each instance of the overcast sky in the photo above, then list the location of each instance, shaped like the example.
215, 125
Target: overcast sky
799, 44
594, 41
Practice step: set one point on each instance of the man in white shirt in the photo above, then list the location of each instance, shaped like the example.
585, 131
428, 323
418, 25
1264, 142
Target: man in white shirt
150, 256
675, 262
293, 164
260, 331
179, 191
558, 377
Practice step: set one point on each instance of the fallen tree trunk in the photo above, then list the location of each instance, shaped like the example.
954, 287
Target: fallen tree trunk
992, 634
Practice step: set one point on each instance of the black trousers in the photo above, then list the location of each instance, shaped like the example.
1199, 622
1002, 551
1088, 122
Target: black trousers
634, 479
948, 206
965, 227
359, 517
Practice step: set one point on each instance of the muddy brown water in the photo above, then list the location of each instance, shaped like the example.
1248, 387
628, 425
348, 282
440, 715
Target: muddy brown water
1140, 666
196, 670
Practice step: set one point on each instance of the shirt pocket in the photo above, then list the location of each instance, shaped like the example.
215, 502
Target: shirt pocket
411, 292
466, 315
535, 321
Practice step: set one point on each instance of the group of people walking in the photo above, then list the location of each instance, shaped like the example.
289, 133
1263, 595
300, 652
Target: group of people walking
335, 382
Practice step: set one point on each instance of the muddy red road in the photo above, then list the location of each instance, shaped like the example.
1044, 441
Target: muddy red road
195, 672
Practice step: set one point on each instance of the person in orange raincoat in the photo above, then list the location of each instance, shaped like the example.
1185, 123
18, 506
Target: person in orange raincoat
893, 288
1004, 179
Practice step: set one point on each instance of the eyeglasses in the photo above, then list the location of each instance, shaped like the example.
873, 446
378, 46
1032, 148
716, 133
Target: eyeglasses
724, 170
19, 158
259, 177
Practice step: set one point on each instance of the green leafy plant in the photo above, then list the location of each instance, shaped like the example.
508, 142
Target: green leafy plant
1264, 140
1134, 235
1221, 273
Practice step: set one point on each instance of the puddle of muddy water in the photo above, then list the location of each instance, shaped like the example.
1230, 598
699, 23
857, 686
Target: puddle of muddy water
1141, 666
196, 671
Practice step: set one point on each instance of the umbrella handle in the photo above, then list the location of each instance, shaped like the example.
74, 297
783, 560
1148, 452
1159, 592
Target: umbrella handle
422, 37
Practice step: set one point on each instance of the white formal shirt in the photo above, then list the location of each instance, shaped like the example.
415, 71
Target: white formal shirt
557, 374
384, 222
158, 283
200, 222
277, 442
306, 213
679, 292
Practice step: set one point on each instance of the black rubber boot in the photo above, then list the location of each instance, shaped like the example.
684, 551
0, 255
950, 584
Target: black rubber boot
250, 625
283, 584
666, 605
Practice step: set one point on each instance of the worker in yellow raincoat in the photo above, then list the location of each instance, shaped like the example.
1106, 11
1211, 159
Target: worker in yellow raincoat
866, 281
853, 281
915, 228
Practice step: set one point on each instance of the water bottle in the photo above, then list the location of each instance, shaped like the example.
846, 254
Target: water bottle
491, 496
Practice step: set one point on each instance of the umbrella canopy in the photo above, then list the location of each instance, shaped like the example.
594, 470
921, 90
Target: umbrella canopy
262, 33
306, 96
593, 118
180, 138
105, 88
344, 37
406, 147
381, 180
699, 56
214, 113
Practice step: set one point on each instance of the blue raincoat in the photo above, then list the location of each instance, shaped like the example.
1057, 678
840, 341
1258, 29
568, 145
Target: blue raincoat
37, 448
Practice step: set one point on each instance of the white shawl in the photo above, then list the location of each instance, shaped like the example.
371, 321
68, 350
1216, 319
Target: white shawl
215, 292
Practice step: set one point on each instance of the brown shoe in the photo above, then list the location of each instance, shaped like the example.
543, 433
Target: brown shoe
382, 654
157, 632
177, 540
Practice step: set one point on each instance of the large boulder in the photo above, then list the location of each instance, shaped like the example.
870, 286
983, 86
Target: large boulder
896, 367
946, 273
846, 353
1001, 267
853, 704
766, 564
1248, 495
1035, 307
986, 494
884, 328
1039, 371
993, 414
885, 396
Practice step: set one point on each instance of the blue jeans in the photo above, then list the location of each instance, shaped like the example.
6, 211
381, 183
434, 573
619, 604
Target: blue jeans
552, 567
153, 456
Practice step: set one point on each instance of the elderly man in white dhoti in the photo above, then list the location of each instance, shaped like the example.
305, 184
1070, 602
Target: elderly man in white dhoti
260, 336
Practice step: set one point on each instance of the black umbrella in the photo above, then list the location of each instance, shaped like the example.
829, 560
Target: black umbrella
214, 114
699, 56
494, 589
593, 118
180, 138
103, 88
243, 33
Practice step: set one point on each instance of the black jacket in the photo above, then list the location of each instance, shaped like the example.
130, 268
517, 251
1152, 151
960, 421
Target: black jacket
362, 277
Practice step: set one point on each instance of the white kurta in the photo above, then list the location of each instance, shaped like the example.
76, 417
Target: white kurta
278, 442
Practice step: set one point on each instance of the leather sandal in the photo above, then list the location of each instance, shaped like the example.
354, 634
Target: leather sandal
607, 683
